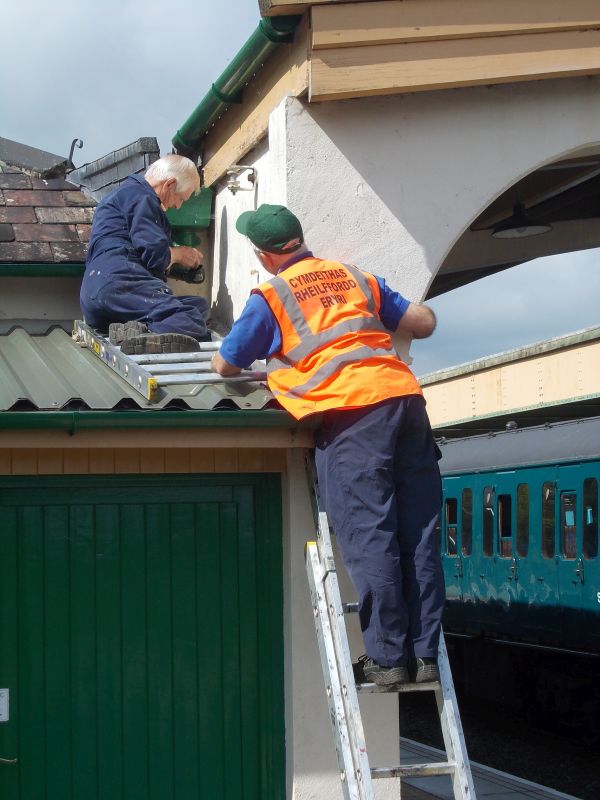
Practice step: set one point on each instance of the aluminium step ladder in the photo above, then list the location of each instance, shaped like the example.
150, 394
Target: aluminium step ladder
342, 692
150, 372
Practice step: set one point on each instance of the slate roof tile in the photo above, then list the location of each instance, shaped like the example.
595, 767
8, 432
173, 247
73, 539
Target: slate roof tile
68, 214
22, 197
26, 252
83, 231
45, 233
77, 198
68, 251
42, 219
17, 214
14, 180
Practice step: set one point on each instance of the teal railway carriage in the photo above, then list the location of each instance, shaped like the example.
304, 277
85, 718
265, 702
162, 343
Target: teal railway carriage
519, 535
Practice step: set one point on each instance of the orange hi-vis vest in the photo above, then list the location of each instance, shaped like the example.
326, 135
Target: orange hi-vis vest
335, 351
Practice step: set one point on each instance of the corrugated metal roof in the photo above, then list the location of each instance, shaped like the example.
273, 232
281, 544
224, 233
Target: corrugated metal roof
52, 372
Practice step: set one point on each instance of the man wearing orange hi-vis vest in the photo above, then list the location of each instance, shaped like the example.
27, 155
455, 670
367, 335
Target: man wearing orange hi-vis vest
325, 330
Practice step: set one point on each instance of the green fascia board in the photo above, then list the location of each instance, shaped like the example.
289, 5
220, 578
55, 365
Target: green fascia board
194, 213
29, 270
72, 421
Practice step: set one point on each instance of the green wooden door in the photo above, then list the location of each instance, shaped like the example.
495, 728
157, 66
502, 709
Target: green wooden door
141, 638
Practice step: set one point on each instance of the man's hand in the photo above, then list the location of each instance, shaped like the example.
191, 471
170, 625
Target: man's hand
222, 367
417, 320
187, 257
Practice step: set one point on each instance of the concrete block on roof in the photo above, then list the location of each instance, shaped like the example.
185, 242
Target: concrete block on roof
100, 177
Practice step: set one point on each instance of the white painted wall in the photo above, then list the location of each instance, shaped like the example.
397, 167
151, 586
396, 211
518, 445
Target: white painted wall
391, 183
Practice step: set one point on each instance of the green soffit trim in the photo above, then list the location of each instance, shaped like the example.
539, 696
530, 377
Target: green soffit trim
227, 89
72, 421
41, 270
194, 213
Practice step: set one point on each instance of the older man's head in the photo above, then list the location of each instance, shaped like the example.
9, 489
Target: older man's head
174, 179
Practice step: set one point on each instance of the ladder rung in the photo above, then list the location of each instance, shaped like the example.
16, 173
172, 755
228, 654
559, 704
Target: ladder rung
414, 770
372, 688
171, 358
209, 377
174, 367
350, 608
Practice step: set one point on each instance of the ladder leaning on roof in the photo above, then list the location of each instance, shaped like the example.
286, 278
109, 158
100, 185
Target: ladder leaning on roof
149, 372
355, 771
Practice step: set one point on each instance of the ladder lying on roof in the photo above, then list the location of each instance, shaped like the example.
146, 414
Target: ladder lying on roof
355, 771
148, 373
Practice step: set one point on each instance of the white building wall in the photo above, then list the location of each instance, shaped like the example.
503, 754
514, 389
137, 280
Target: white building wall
390, 183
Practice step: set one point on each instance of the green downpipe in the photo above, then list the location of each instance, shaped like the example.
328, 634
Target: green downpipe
227, 89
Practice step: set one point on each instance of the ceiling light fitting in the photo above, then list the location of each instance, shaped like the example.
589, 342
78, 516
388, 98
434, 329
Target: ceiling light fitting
519, 226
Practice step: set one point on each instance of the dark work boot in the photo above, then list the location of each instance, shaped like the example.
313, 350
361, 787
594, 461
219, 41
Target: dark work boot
368, 671
159, 343
119, 331
427, 670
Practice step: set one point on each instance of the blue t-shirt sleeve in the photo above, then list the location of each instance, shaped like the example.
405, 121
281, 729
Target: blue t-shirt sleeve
254, 335
393, 305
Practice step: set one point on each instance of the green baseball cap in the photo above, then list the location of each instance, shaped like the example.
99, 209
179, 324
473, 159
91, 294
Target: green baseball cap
273, 229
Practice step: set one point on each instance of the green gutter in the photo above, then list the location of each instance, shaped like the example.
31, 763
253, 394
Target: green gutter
41, 270
73, 421
227, 89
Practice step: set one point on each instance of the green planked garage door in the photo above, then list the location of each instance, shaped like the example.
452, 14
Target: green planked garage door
141, 638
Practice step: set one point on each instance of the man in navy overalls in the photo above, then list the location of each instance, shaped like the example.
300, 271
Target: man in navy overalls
129, 257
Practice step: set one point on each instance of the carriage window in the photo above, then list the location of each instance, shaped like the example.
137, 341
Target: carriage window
568, 526
467, 522
504, 526
548, 493
590, 518
522, 519
488, 520
451, 525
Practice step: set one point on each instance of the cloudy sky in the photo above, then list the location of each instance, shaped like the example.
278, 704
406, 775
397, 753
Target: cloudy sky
110, 71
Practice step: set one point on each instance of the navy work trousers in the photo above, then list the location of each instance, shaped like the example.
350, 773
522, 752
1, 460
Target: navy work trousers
144, 298
379, 477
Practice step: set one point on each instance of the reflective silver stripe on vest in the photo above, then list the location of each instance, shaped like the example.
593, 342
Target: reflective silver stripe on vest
364, 285
313, 341
334, 365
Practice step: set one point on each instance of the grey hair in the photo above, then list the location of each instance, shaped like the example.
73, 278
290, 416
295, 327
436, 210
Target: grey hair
173, 166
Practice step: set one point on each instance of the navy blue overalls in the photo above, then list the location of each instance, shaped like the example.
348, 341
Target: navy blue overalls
125, 267
379, 477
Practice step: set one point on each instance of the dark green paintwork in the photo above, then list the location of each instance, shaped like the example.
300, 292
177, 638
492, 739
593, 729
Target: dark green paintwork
193, 215
141, 637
